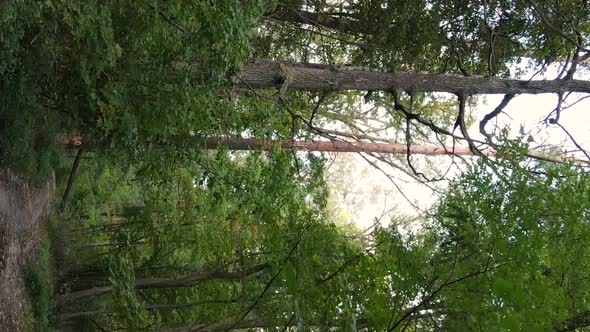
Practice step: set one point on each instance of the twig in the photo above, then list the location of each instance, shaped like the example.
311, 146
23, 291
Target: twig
573, 140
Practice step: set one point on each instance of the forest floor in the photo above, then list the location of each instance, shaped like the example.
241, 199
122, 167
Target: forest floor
24, 213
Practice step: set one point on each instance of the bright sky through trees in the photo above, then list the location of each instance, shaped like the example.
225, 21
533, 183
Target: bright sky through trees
369, 194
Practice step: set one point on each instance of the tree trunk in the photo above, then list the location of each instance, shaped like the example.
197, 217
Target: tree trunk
78, 314
248, 144
71, 180
336, 146
257, 74
155, 282
110, 227
110, 244
252, 144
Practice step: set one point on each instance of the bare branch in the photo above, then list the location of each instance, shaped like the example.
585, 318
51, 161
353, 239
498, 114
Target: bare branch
482, 124
169, 20
271, 281
573, 140
462, 127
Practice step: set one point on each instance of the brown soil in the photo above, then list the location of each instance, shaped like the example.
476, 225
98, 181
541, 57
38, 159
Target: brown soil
24, 210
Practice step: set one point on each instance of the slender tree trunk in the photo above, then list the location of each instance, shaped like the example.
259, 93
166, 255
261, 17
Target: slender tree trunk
251, 144
155, 282
248, 144
256, 74
71, 180
112, 227
110, 244
336, 146
78, 314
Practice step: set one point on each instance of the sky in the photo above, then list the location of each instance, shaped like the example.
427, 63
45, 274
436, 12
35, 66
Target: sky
363, 194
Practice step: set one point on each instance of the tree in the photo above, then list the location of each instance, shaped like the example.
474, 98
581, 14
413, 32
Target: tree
179, 76
154, 282
318, 77
523, 228
405, 38
496, 226
444, 36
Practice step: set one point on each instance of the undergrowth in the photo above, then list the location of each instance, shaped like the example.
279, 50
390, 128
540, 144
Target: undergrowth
39, 286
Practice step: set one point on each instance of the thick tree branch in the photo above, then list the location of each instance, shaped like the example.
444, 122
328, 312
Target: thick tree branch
318, 77
321, 20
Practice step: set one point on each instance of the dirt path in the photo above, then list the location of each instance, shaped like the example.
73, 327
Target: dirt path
23, 214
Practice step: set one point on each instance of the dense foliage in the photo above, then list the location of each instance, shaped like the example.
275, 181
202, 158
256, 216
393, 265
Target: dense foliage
121, 73
496, 244
522, 228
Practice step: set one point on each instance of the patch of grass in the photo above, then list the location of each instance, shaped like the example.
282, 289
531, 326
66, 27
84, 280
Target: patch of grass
39, 287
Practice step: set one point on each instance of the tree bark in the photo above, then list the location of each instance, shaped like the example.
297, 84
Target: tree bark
249, 144
257, 74
155, 282
336, 146
252, 144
